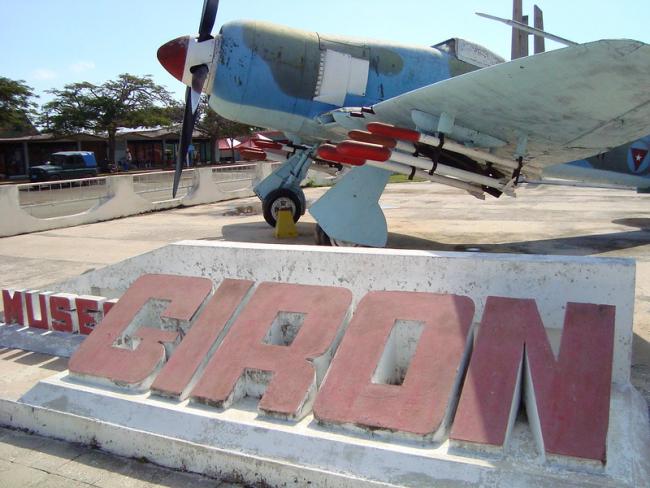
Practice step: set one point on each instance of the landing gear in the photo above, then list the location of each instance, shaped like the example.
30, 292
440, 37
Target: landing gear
338, 243
281, 189
322, 239
280, 199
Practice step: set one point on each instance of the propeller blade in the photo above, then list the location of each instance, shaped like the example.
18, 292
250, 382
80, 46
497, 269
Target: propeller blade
199, 75
192, 100
208, 17
186, 139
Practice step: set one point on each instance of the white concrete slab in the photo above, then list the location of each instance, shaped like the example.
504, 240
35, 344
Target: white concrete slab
257, 448
238, 441
50, 342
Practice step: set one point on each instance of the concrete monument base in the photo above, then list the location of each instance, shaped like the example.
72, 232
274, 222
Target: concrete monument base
253, 434
237, 444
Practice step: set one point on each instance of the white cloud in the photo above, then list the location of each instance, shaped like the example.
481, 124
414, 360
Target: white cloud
82, 66
44, 74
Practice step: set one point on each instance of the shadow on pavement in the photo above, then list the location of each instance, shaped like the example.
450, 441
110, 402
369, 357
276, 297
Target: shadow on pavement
585, 245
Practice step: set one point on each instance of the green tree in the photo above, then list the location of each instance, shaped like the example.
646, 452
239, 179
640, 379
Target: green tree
214, 126
16, 106
129, 101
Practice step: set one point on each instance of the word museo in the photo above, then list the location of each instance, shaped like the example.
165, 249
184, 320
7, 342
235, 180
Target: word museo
406, 363
63, 312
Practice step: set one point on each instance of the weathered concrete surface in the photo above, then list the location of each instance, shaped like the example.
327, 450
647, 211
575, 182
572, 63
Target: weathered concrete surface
550, 220
30, 460
216, 442
541, 220
118, 198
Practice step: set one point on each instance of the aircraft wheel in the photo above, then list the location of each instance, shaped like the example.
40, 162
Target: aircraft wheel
322, 239
281, 198
338, 243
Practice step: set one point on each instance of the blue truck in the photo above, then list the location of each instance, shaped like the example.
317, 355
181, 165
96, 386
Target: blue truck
65, 165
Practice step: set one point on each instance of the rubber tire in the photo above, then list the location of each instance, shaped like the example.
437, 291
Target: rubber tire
320, 237
267, 205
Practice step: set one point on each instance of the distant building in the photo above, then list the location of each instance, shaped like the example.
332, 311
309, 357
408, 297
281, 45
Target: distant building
157, 147
150, 148
17, 154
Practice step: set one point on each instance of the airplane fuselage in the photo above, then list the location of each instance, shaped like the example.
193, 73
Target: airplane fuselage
278, 77
627, 165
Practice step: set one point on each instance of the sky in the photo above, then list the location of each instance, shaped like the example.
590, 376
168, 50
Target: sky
49, 43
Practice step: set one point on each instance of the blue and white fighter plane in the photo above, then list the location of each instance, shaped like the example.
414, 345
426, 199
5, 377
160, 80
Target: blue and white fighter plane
454, 113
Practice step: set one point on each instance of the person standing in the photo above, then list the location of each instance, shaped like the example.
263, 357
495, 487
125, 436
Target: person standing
129, 160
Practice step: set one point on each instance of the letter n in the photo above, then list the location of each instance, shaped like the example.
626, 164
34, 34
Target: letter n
567, 399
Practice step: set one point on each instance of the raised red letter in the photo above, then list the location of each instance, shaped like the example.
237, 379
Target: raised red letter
265, 341
193, 351
42, 322
570, 395
122, 351
88, 309
370, 382
108, 305
63, 312
13, 307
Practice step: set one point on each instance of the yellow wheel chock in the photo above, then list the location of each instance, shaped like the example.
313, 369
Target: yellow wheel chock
285, 227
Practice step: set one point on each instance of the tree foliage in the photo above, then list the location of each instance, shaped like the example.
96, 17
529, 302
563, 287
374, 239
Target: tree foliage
129, 101
16, 106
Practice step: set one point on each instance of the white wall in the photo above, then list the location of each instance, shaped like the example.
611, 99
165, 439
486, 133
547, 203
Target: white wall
120, 200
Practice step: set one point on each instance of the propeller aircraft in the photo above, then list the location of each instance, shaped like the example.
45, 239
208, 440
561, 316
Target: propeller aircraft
454, 113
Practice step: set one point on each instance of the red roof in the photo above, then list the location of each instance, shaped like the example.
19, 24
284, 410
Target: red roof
224, 144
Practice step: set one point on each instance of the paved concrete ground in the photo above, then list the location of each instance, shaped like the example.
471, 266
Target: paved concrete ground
30, 460
542, 220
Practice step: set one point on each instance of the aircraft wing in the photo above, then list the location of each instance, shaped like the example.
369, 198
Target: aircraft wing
565, 105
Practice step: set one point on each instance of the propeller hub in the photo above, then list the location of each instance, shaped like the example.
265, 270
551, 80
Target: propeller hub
182, 56
189, 60
173, 55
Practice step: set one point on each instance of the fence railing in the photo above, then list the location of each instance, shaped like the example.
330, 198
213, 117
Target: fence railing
233, 178
35, 207
157, 187
57, 198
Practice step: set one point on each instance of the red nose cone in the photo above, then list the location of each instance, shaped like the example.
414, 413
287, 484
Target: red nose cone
172, 56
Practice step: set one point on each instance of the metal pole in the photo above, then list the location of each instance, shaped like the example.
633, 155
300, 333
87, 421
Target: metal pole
517, 12
540, 44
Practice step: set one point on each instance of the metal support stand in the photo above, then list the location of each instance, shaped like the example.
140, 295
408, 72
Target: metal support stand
436, 155
517, 173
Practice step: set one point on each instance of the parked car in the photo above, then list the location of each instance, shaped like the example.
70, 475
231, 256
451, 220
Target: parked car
67, 165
